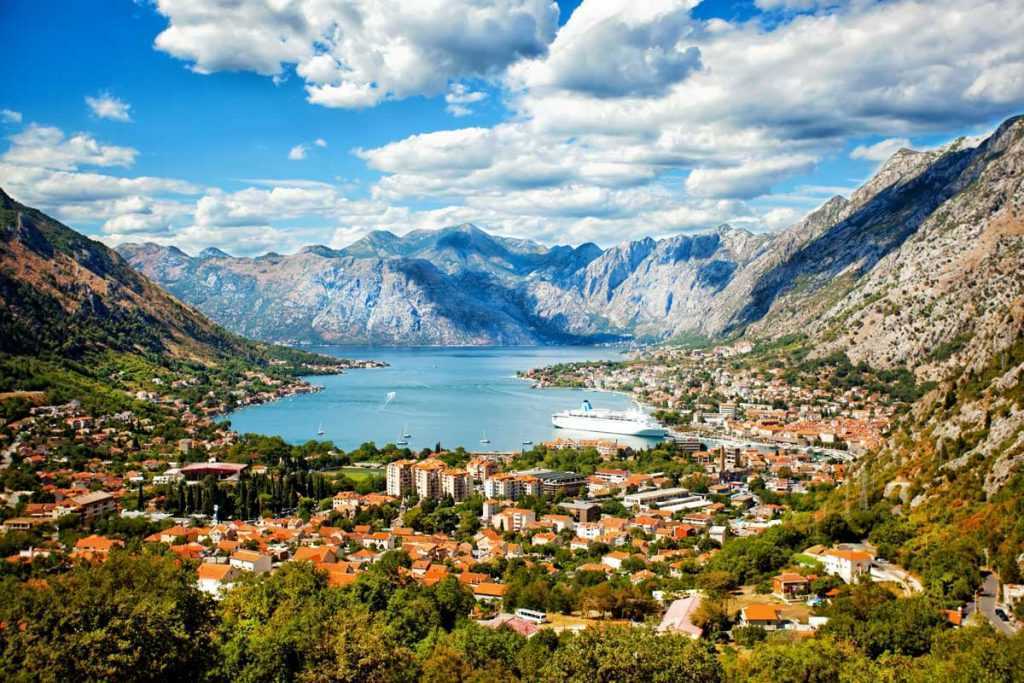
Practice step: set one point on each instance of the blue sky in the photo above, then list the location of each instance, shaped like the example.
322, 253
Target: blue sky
266, 126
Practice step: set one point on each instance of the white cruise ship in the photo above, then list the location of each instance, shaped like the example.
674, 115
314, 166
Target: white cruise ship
628, 423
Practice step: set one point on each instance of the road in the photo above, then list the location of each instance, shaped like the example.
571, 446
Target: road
881, 570
729, 442
987, 603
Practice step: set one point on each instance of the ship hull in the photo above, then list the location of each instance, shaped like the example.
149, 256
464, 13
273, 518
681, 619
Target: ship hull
606, 426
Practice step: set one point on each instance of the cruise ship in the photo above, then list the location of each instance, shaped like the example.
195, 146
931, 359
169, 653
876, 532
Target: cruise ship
628, 423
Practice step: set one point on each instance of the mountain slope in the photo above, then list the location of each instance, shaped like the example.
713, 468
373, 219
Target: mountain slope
920, 265
458, 285
934, 232
66, 296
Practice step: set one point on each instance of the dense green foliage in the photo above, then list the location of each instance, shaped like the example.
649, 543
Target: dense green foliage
140, 618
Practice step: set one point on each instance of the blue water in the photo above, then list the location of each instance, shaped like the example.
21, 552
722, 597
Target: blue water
451, 395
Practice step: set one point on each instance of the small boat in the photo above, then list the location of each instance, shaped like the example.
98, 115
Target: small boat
320, 429
405, 432
484, 438
527, 443
401, 442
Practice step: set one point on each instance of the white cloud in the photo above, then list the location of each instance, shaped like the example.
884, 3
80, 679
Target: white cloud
635, 119
10, 116
880, 151
459, 97
297, 153
47, 147
320, 142
752, 114
106, 106
42, 168
797, 5
614, 48
357, 53
749, 179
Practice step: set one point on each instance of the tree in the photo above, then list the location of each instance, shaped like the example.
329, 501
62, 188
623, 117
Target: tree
271, 624
820, 660
131, 618
454, 601
358, 650
619, 653
712, 615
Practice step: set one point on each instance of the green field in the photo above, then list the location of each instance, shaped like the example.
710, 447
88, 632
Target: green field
359, 473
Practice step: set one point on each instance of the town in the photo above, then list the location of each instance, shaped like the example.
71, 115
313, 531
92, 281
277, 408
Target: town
689, 535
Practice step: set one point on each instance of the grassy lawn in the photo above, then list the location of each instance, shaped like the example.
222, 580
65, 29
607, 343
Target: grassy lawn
805, 559
359, 474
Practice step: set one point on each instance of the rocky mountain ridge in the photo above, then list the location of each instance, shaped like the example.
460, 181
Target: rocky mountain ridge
836, 274
64, 296
457, 285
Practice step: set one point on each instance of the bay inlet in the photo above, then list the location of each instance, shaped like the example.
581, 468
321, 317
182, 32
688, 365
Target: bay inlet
466, 397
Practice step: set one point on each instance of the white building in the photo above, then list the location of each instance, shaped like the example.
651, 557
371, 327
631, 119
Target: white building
214, 579
399, 478
250, 561
849, 565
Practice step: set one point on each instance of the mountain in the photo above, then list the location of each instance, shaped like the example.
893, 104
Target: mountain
458, 285
931, 236
67, 297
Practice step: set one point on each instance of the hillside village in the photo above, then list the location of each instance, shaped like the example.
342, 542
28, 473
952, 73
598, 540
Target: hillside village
574, 532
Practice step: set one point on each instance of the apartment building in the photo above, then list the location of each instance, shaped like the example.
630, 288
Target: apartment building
427, 478
400, 478
455, 483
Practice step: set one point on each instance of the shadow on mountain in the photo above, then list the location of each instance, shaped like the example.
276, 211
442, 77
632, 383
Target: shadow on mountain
857, 243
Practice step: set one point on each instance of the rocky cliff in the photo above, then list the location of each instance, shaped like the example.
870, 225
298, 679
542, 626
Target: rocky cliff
458, 285
902, 272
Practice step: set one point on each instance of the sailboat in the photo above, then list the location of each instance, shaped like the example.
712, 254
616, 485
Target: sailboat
484, 439
402, 439
405, 432
320, 429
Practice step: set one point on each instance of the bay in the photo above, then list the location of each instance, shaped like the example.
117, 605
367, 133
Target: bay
455, 396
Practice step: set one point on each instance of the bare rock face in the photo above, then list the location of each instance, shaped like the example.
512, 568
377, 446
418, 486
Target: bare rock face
458, 285
920, 266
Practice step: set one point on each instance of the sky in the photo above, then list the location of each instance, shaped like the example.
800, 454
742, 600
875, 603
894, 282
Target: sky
267, 125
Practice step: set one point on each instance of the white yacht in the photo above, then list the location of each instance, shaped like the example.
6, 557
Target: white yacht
628, 423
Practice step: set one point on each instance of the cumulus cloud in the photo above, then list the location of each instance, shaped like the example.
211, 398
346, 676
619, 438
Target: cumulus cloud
43, 168
48, 147
459, 97
750, 179
797, 5
633, 118
106, 106
302, 150
614, 48
10, 116
601, 112
880, 151
357, 53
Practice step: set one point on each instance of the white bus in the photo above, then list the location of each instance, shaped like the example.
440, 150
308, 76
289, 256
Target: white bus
532, 615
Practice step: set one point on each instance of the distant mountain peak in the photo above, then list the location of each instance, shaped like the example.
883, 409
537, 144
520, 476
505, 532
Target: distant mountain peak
320, 250
213, 252
5, 200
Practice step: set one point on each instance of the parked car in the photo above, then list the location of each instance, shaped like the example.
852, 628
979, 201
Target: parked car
1001, 614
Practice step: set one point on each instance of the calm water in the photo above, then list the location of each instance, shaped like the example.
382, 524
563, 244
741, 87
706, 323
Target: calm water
455, 396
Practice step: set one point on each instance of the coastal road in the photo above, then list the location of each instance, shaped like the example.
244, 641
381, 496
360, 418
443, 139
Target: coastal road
729, 441
988, 601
